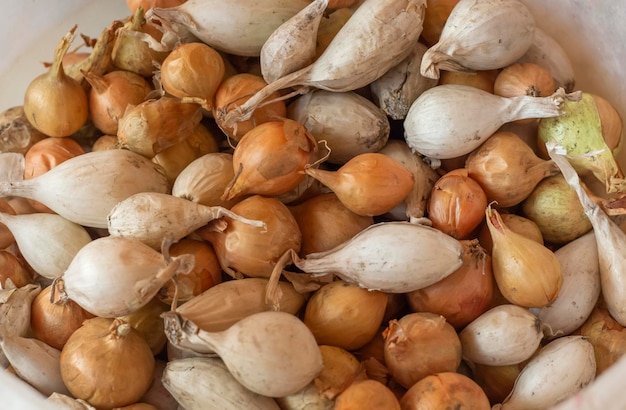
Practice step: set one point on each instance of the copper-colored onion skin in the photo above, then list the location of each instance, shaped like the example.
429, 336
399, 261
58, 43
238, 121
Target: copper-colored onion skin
606, 335
420, 344
6, 237
481, 79
446, 390
369, 184
48, 153
457, 204
463, 295
205, 274
524, 79
253, 251
237, 89
270, 159
53, 322
11, 268
367, 394
325, 223
497, 381
105, 368
344, 315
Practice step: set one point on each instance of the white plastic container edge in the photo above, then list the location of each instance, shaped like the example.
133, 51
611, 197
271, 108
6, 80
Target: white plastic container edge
593, 34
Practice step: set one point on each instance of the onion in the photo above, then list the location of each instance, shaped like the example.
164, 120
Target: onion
344, 315
12, 271
112, 345
325, 223
147, 321
54, 318
251, 250
48, 153
524, 79
463, 295
369, 184
270, 159
437, 13
418, 345
606, 335
55, 89
445, 390
481, 79
456, 204
515, 223
367, 393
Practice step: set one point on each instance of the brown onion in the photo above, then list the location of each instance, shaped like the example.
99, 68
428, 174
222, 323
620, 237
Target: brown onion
524, 79
205, 274
437, 12
105, 142
364, 394
481, 79
111, 94
517, 224
249, 250
193, 70
325, 223
107, 363
445, 390
457, 204
497, 381
420, 344
270, 159
237, 89
611, 122
48, 153
369, 184
6, 237
344, 315
147, 321
462, 296
54, 317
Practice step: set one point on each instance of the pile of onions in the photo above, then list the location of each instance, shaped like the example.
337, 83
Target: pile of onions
345, 204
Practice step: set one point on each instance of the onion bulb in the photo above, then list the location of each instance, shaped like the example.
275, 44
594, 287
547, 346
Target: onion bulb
437, 13
418, 345
54, 103
524, 79
364, 394
193, 71
344, 315
54, 317
527, 273
12, 271
606, 335
463, 295
270, 159
445, 390
369, 184
107, 363
481, 79
517, 224
456, 204
251, 250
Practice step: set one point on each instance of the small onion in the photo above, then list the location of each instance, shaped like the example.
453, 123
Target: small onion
515, 223
435, 18
606, 335
365, 394
54, 317
524, 79
445, 390
107, 363
481, 79
12, 271
344, 315
456, 205
463, 295
147, 321
418, 345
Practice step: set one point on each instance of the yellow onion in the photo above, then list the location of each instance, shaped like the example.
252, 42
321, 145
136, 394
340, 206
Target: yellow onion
107, 363
154, 125
205, 274
437, 12
204, 180
147, 321
527, 273
270, 159
6, 237
445, 390
48, 153
365, 394
54, 103
193, 70
331, 25
606, 335
553, 205
497, 381
111, 93
16, 133
249, 250
481, 79
420, 344
456, 204
325, 223
463, 295
507, 168
344, 315
524, 79
237, 89
104, 142
611, 123
12, 271
515, 223
54, 317
369, 184
175, 159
